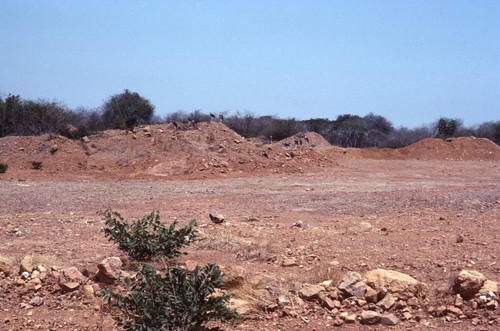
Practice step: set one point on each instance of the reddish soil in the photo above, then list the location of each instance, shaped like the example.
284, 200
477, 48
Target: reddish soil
416, 199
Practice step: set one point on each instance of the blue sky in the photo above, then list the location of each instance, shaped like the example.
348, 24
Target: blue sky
410, 61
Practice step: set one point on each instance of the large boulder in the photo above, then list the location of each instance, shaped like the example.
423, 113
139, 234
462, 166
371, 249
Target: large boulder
401, 285
468, 283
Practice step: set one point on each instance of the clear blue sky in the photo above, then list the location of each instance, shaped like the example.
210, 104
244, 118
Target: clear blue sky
411, 61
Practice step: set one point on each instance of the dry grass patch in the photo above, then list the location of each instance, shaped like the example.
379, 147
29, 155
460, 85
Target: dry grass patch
247, 243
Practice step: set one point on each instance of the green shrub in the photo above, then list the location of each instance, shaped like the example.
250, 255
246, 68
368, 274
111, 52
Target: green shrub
147, 238
37, 165
3, 167
171, 300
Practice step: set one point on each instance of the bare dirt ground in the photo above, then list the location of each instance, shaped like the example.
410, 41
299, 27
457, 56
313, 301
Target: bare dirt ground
394, 209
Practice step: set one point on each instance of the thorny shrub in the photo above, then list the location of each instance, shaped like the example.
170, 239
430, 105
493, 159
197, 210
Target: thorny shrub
147, 238
171, 299
3, 167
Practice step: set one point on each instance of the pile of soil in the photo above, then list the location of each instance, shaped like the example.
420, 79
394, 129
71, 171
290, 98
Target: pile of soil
167, 151
207, 150
453, 149
458, 149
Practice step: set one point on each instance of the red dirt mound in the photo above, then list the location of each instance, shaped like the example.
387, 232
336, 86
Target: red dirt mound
463, 148
305, 139
210, 149
456, 149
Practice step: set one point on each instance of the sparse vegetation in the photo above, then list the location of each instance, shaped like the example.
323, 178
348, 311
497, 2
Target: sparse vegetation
3, 168
37, 165
128, 109
171, 299
147, 238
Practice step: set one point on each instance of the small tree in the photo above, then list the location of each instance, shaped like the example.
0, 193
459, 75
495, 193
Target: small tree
447, 127
126, 110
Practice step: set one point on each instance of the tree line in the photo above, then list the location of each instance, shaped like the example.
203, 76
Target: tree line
127, 109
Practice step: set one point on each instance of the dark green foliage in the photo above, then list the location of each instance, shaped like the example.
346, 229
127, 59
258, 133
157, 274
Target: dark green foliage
171, 300
147, 238
3, 167
28, 117
126, 110
447, 128
37, 165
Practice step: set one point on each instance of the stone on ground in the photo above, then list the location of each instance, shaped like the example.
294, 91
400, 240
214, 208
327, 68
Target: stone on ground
308, 291
369, 317
109, 269
27, 264
216, 217
389, 319
468, 283
401, 285
353, 284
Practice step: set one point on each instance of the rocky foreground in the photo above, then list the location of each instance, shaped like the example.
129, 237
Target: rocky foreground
379, 296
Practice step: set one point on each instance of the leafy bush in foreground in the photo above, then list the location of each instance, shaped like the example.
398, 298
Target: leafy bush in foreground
171, 300
147, 238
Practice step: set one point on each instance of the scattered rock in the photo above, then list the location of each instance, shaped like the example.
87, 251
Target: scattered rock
27, 264
327, 302
454, 310
72, 274
88, 291
242, 307
109, 269
401, 285
348, 318
370, 317
69, 286
412, 302
468, 283
371, 295
389, 319
266, 282
300, 225
216, 217
5, 268
90, 270
387, 302
289, 262
407, 315
308, 291
460, 239
353, 284
489, 286
36, 301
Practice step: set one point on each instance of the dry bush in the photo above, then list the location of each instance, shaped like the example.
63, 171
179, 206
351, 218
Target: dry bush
244, 242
